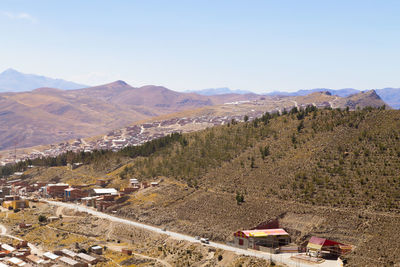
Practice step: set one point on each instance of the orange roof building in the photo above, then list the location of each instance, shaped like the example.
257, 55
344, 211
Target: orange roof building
261, 238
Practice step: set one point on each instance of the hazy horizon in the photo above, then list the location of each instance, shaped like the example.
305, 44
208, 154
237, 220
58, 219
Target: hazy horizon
259, 46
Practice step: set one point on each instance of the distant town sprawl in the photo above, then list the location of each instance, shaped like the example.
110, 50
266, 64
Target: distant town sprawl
141, 133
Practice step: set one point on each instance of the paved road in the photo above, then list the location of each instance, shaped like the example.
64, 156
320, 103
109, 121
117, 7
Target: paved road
278, 258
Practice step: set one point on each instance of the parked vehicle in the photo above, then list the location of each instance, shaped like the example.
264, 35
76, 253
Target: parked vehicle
204, 240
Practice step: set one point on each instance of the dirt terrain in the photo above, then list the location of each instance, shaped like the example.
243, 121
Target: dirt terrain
75, 231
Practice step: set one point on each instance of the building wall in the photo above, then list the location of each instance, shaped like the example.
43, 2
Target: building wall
241, 242
16, 204
269, 241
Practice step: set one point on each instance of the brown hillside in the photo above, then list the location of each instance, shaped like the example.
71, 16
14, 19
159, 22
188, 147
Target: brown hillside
48, 115
328, 173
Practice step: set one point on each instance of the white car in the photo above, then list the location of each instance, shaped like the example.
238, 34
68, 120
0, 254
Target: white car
205, 240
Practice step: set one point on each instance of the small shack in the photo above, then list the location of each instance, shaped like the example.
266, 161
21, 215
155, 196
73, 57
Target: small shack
322, 247
126, 251
255, 239
97, 250
87, 258
71, 262
72, 194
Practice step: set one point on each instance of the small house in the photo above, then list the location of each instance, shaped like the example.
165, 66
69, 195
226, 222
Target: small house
7, 248
87, 258
68, 253
72, 194
35, 260
126, 251
255, 239
50, 256
97, 250
17, 203
55, 190
71, 262
103, 191
16, 262
134, 182
320, 247
24, 225
129, 190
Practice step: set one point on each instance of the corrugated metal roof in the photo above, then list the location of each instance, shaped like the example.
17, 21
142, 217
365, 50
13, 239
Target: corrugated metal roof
86, 257
105, 190
16, 261
262, 232
68, 260
68, 252
8, 247
318, 242
35, 259
50, 255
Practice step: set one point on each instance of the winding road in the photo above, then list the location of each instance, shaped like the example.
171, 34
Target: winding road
279, 258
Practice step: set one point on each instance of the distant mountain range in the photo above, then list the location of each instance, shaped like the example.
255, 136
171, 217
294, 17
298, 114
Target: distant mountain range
340, 92
390, 95
15, 81
219, 91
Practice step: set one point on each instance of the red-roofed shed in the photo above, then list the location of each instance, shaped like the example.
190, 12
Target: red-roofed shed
317, 246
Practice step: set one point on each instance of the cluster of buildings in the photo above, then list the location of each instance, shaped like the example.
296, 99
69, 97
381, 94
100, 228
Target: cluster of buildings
14, 194
270, 238
129, 136
21, 255
141, 133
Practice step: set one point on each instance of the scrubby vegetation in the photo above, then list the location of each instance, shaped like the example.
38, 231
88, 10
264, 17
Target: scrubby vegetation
325, 157
320, 157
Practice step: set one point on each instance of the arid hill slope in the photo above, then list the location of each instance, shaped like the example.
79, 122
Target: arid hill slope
328, 173
48, 115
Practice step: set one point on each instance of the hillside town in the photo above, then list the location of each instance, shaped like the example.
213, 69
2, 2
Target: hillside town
138, 134
19, 194
129, 136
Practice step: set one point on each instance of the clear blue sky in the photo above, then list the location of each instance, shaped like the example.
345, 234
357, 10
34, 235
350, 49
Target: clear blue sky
251, 45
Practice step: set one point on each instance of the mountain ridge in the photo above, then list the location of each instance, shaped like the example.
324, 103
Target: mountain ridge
48, 115
12, 80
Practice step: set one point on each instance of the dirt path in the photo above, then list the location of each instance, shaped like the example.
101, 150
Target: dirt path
331, 102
